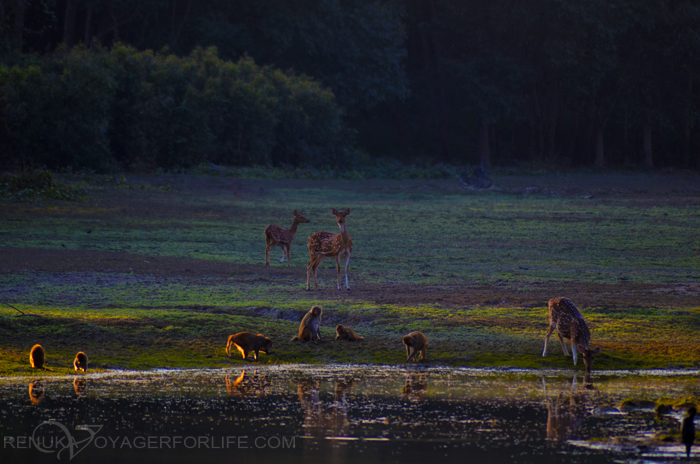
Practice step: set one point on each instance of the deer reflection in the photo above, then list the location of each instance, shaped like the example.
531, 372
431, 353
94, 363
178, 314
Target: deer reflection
80, 386
416, 387
324, 419
247, 385
36, 391
565, 414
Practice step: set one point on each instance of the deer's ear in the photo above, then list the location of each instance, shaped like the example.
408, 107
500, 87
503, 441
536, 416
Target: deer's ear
596, 350
347, 211
297, 213
334, 211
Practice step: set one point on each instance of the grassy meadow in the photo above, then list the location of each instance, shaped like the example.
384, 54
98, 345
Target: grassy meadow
144, 278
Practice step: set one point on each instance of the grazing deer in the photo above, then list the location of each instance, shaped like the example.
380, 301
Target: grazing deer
277, 236
569, 323
323, 245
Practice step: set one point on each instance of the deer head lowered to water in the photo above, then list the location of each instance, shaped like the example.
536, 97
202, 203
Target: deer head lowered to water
569, 323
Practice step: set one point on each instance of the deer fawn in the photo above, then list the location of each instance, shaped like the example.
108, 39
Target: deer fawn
569, 323
326, 244
277, 236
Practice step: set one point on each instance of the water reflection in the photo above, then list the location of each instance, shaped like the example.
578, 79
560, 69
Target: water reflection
37, 390
246, 385
324, 418
416, 387
339, 414
566, 412
79, 386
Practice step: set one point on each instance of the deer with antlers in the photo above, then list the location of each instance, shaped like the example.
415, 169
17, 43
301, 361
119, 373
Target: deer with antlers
277, 236
568, 321
324, 245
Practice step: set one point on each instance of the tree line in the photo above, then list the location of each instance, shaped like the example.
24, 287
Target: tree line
586, 83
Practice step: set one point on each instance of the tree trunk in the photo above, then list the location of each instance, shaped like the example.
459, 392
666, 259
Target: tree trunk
648, 160
88, 25
599, 146
18, 29
626, 142
688, 123
552, 123
483, 143
69, 23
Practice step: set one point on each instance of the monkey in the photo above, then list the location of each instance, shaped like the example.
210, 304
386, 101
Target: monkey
80, 363
346, 333
37, 357
418, 342
246, 342
310, 327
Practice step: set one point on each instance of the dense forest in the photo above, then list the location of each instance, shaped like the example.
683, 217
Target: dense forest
119, 84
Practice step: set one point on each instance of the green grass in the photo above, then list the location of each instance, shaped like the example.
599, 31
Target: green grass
413, 235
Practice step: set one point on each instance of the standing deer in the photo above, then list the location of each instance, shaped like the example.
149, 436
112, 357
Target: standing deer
323, 245
569, 323
277, 236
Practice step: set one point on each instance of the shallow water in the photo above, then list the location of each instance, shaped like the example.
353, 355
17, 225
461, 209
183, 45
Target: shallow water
339, 414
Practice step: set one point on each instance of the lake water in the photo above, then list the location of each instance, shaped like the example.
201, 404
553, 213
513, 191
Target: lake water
341, 414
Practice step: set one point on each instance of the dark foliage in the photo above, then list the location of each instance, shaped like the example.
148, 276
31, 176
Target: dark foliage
544, 82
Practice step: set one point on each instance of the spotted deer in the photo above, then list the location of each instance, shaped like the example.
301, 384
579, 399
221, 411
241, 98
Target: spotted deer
569, 323
277, 236
324, 245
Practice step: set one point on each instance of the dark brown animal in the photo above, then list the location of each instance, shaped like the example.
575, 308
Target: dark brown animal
416, 346
245, 342
346, 333
310, 326
80, 363
323, 245
277, 236
37, 357
569, 323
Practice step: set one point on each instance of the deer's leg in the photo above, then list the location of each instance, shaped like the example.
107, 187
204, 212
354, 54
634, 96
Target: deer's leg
347, 263
552, 325
574, 349
308, 272
288, 246
563, 345
315, 266
337, 270
268, 247
285, 252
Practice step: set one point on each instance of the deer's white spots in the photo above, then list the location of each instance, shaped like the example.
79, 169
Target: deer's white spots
326, 244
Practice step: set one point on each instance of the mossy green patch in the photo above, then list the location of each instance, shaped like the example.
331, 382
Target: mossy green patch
145, 279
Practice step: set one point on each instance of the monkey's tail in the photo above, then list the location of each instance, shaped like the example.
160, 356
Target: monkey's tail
47, 369
295, 339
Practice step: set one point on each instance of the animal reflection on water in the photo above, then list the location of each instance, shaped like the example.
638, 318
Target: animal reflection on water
534, 412
566, 413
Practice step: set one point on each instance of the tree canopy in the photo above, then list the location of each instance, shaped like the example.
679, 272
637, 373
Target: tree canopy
566, 82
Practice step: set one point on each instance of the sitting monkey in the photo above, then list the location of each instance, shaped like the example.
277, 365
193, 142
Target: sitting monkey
346, 333
310, 327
